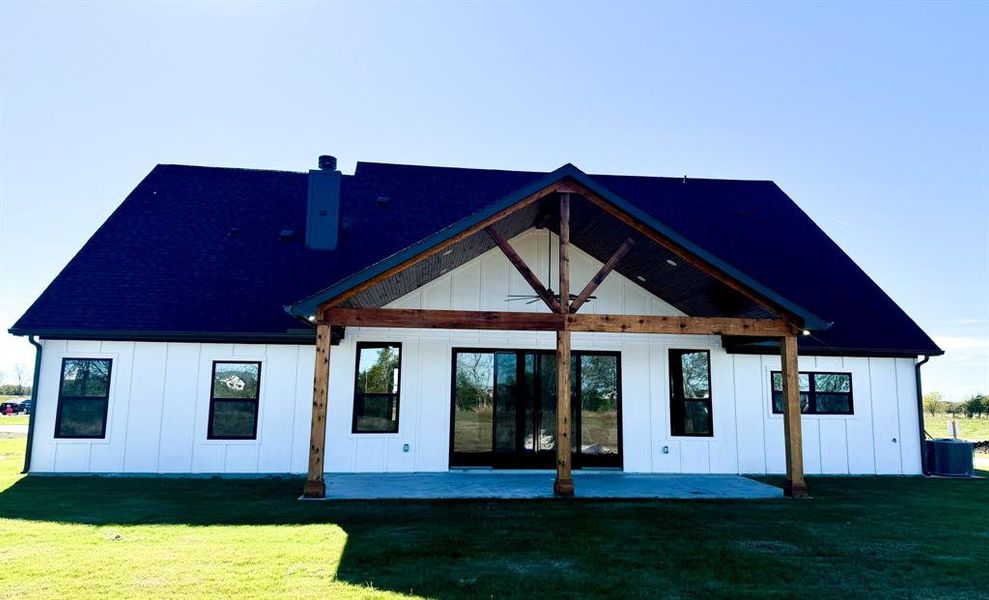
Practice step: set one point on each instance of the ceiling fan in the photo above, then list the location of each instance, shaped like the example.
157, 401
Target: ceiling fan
533, 298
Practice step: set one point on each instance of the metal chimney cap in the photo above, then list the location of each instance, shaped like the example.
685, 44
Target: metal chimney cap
327, 162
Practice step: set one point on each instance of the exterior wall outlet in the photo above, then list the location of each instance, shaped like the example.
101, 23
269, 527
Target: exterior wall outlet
405, 447
666, 449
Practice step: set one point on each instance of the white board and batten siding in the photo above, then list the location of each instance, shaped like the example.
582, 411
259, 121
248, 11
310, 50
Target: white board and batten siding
159, 409
159, 398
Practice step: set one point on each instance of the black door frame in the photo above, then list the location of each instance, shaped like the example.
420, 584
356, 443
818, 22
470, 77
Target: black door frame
515, 459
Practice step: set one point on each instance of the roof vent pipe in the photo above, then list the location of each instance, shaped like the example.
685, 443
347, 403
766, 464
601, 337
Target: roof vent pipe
323, 205
327, 162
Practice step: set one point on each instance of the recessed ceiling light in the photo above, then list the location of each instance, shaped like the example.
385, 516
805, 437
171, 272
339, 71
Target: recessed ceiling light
671, 262
312, 318
806, 332
641, 278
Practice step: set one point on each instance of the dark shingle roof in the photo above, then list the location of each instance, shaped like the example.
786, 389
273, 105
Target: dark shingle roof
196, 251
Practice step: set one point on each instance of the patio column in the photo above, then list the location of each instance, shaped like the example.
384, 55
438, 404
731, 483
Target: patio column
563, 486
315, 485
795, 485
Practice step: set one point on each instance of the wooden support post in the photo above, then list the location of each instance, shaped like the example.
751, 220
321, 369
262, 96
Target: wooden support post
315, 485
795, 485
563, 486
565, 254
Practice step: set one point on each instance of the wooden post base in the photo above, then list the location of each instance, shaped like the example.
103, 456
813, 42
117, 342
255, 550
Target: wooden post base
563, 487
314, 488
795, 490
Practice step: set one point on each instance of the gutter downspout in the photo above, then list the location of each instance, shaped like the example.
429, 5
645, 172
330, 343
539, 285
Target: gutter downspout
34, 401
920, 416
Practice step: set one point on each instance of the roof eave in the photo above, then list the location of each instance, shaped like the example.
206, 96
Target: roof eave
771, 347
287, 337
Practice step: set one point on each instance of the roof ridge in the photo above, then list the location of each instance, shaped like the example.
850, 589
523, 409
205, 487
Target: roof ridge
215, 168
365, 163
687, 177
388, 164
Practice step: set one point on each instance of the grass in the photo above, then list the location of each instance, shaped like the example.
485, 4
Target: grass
976, 429
81, 537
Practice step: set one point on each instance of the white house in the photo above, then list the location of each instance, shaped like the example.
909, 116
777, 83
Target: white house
183, 338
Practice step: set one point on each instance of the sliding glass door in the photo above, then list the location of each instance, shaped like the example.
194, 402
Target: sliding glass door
504, 409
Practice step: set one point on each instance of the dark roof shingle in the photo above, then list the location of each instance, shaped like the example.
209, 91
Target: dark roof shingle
197, 250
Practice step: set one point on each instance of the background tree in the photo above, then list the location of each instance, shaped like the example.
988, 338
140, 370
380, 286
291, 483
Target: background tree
599, 389
19, 376
475, 385
380, 377
976, 406
934, 403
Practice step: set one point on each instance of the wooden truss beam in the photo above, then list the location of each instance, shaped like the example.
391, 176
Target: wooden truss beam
599, 277
442, 319
568, 186
442, 246
523, 269
533, 321
678, 325
683, 253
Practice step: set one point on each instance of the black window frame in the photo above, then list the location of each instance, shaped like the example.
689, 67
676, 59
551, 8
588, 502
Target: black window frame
678, 410
63, 398
213, 400
812, 393
359, 396
580, 460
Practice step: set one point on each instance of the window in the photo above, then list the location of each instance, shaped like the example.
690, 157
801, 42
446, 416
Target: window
504, 408
376, 388
233, 402
820, 393
690, 393
83, 398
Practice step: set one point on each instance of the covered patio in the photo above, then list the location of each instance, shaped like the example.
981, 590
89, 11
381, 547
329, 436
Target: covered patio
481, 484
719, 299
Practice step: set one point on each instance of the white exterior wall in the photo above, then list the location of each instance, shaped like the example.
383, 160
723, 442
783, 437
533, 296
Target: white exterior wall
159, 409
159, 396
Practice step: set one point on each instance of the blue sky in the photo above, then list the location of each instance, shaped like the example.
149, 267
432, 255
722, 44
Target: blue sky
872, 117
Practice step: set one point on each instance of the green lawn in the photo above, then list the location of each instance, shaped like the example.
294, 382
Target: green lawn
114, 537
976, 430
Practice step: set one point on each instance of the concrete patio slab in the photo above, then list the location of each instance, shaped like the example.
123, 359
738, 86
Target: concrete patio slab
498, 484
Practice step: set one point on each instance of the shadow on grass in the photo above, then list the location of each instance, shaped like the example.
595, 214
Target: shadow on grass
885, 535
